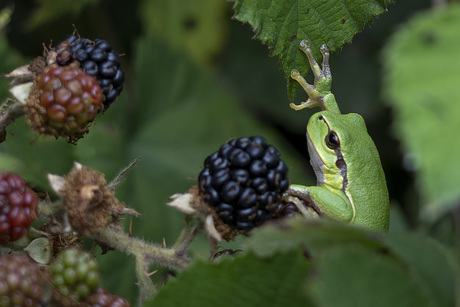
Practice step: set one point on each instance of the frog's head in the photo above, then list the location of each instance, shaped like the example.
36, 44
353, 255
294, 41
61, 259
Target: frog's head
330, 137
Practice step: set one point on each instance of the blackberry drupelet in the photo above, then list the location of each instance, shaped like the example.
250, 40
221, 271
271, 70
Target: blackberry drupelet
243, 182
97, 59
18, 207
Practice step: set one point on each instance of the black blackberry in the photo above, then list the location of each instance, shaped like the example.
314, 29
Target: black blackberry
97, 59
243, 182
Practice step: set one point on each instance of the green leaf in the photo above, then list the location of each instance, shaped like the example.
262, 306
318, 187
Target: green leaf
355, 267
243, 281
315, 236
283, 24
357, 277
421, 85
197, 26
430, 263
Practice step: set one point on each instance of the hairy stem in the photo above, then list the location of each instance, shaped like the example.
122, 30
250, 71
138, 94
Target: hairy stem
9, 112
146, 286
144, 253
187, 235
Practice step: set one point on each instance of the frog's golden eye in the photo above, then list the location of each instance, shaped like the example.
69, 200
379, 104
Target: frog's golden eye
332, 140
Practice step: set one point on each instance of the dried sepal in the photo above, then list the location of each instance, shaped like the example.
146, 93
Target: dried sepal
40, 250
211, 230
21, 92
56, 182
182, 202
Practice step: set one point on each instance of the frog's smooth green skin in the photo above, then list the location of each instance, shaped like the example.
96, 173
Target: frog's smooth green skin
351, 183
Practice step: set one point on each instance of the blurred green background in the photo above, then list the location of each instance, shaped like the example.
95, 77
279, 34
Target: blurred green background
194, 79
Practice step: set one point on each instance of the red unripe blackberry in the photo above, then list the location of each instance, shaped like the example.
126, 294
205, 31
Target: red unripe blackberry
63, 101
243, 182
21, 283
18, 207
70, 97
97, 59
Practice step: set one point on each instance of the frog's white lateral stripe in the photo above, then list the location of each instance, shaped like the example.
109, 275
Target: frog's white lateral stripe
316, 162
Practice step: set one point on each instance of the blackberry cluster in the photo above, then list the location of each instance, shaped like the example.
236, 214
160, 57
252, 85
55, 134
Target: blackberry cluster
97, 59
75, 273
18, 207
243, 182
21, 283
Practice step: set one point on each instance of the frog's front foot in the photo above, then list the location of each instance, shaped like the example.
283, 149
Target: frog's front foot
322, 82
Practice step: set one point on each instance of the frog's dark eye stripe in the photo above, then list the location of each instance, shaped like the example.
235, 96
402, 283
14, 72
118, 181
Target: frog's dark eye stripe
332, 140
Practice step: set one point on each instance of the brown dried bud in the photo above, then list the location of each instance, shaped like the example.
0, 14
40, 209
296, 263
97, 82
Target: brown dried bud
90, 205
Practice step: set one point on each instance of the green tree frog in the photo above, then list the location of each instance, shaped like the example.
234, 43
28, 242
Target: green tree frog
351, 183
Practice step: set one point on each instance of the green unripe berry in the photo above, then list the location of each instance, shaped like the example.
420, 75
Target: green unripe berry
75, 273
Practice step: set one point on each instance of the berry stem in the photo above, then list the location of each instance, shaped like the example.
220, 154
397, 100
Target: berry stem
187, 235
146, 286
145, 254
10, 110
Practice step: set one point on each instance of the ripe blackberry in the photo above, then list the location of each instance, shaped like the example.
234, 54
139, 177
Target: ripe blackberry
243, 181
102, 298
75, 273
97, 59
63, 101
21, 283
18, 207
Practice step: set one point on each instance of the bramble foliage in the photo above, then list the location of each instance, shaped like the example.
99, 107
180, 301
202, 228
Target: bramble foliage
194, 80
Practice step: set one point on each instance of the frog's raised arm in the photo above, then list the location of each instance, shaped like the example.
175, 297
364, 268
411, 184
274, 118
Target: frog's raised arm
319, 94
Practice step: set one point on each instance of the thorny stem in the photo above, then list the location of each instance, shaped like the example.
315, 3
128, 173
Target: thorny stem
144, 253
9, 112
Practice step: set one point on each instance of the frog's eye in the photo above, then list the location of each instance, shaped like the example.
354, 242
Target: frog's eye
332, 140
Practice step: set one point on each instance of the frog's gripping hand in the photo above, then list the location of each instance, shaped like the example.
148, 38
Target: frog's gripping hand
318, 92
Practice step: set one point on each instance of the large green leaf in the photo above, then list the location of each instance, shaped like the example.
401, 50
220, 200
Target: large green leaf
320, 264
354, 267
421, 85
283, 24
243, 281
357, 277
